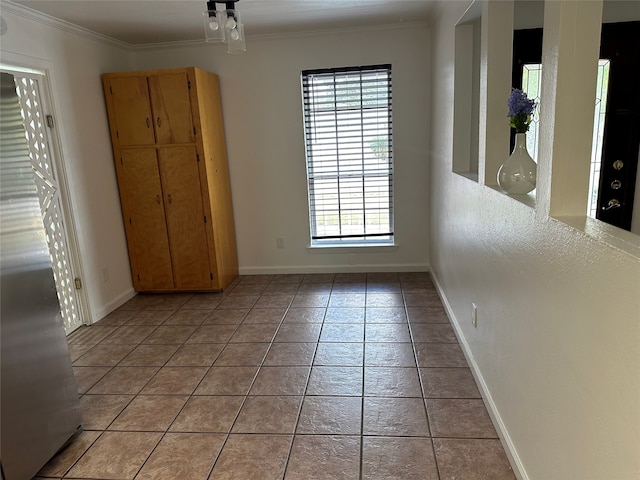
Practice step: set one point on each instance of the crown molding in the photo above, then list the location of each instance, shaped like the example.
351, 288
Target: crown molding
31, 14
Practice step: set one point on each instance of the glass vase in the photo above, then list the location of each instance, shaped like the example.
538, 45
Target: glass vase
517, 175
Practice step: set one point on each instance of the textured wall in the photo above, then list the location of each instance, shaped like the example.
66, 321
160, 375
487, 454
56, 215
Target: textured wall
557, 346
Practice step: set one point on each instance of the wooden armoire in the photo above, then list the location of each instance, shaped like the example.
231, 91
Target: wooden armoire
171, 162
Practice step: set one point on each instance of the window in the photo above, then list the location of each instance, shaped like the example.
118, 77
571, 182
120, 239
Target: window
347, 120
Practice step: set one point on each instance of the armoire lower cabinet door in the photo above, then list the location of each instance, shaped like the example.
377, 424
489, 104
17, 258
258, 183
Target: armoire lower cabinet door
185, 217
146, 225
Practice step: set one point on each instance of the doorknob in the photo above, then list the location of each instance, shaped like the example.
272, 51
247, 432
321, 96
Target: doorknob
613, 203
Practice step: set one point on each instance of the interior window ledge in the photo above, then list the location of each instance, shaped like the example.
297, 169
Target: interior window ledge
604, 233
473, 176
353, 248
528, 199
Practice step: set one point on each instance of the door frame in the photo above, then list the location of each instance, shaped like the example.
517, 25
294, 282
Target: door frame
17, 64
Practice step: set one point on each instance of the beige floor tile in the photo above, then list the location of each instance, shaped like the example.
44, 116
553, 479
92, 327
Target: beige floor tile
104, 355
392, 382
204, 301
248, 289
149, 413
389, 355
459, 418
395, 458
418, 286
280, 381
175, 381
98, 411
342, 381
395, 417
334, 332
330, 415
339, 354
227, 317
149, 356
324, 457
212, 414
238, 301
172, 334
199, 354
268, 414
117, 317
124, 380
252, 457
384, 300
304, 315
182, 456
87, 377
344, 315
275, 288
293, 332
116, 455
260, 333
383, 287
227, 381
76, 350
187, 317
212, 334
448, 383
64, 460
386, 315
150, 317
315, 278
433, 314
346, 300
132, 334
433, 333
242, 354
290, 354
91, 335
274, 301
387, 332
312, 297
422, 299
349, 287
440, 355
265, 315
471, 459
350, 278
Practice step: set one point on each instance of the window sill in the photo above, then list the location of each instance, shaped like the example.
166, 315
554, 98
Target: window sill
353, 248
604, 233
528, 199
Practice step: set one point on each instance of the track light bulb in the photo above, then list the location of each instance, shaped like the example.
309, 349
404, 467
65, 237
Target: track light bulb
234, 34
213, 24
231, 23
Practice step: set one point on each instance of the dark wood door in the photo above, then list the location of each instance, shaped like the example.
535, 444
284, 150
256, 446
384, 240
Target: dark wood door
620, 44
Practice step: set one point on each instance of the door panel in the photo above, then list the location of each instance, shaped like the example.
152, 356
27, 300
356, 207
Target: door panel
130, 100
185, 217
171, 108
146, 219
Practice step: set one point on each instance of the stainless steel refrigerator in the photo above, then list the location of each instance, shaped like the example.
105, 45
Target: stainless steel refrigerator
39, 405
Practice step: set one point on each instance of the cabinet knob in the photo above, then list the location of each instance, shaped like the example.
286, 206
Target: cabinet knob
148, 123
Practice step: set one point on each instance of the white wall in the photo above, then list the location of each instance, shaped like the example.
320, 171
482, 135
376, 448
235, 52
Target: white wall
75, 64
263, 119
557, 346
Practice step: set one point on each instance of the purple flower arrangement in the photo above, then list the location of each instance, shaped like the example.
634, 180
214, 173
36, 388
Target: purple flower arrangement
520, 110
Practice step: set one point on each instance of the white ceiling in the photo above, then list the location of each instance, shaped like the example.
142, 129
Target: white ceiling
140, 22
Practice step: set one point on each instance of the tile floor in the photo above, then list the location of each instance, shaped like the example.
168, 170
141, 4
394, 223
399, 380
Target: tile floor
345, 376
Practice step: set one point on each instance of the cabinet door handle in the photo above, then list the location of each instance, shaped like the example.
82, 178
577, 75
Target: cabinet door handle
158, 121
169, 198
148, 124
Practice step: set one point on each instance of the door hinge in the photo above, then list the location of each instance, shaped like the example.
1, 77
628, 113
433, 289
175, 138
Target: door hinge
117, 134
50, 122
110, 90
130, 223
194, 130
138, 277
78, 283
189, 84
211, 276
121, 162
197, 157
205, 219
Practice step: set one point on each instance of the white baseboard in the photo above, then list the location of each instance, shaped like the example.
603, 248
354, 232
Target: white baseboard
501, 429
271, 270
112, 305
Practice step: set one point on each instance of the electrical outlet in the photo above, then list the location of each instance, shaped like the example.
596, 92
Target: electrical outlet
280, 242
105, 274
474, 314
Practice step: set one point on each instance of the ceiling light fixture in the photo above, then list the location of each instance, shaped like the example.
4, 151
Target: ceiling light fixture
224, 26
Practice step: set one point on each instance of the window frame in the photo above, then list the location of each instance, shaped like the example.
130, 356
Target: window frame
369, 173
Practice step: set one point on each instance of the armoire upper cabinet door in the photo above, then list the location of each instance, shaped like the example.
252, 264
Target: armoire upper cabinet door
146, 223
131, 109
171, 108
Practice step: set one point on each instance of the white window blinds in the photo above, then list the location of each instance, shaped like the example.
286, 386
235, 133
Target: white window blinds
347, 118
